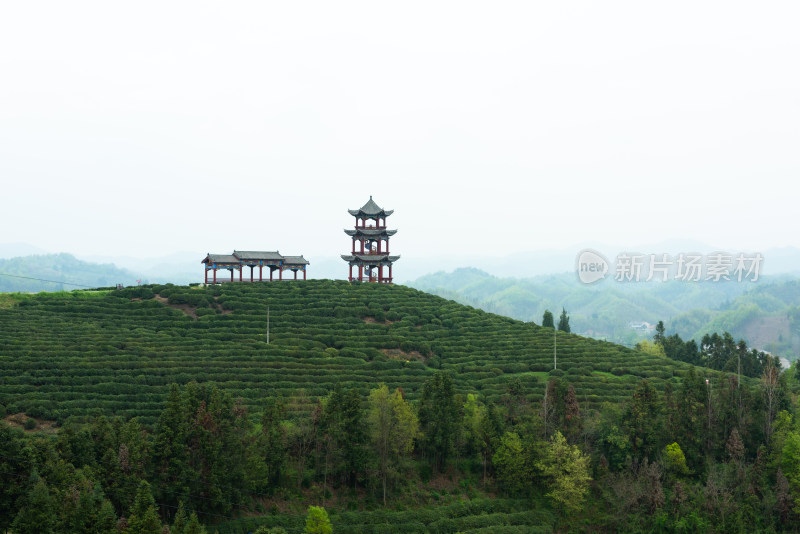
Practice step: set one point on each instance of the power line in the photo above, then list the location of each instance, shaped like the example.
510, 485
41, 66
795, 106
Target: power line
44, 280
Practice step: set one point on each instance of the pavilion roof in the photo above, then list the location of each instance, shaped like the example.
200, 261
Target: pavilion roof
257, 255
220, 258
370, 232
370, 258
295, 260
370, 209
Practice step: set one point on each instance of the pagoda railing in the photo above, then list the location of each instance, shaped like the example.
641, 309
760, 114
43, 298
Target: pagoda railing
370, 227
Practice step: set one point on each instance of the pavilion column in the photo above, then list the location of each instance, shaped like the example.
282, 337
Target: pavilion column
215, 275
260, 273
354, 245
390, 272
241, 268
380, 272
231, 274
271, 270
351, 273
206, 270
304, 274
295, 273
379, 245
360, 273
280, 273
251, 273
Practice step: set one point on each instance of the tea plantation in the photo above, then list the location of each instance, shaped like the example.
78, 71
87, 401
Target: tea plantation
115, 352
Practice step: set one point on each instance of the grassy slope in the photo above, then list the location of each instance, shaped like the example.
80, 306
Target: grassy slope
64, 354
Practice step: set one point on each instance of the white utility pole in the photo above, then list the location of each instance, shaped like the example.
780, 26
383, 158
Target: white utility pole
555, 341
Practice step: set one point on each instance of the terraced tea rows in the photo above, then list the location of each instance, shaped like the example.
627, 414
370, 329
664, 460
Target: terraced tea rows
116, 351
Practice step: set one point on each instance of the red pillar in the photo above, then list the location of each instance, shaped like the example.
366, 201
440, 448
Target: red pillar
390, 272
380, 272
231, 275
251, 273
271, 270
206, 270
260, 273
354, 245
351, 273
280, 273
360, 273
240, 272
215, 275
295, 273
304, 274
362, 246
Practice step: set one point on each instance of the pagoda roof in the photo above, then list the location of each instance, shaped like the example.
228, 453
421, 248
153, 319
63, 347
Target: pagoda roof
294, 260
220, 258
257, 255
370, 232
370, 258
370, 209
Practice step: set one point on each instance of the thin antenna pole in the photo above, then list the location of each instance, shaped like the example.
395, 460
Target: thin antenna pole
555, 341
738, 369
267, 325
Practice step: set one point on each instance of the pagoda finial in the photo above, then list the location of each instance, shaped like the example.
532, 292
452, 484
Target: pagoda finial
370, 197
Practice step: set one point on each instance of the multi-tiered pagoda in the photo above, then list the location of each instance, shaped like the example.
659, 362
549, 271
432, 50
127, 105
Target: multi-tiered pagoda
370, 244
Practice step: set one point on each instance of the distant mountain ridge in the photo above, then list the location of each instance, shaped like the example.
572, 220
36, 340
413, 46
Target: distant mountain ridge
766, 314
59, 272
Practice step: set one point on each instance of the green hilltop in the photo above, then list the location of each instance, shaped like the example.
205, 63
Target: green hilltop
74, 353
393, 409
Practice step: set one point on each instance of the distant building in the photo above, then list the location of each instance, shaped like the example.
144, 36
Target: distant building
370, 244
240, 259
642, 326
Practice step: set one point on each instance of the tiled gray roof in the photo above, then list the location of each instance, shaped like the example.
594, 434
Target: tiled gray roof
371, 209
220, 258
294, 260
370, 258
258, 255
370, 232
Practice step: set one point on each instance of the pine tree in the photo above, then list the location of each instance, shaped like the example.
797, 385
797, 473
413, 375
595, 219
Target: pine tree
194, 526
438, 418
563, 321
37, 516
179, 523
143, 518
547, 319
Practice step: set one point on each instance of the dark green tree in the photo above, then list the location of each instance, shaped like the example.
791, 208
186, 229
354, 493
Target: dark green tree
659, 337
268, 453
438, 417
643, 421
547, 319
15, 465
563, 321
37, 514
143, 518
345, 436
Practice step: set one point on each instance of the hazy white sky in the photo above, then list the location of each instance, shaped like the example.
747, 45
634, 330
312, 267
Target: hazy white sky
150, 127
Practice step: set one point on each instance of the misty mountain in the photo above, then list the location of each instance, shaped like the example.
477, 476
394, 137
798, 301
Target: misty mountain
766, 314
63, 272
